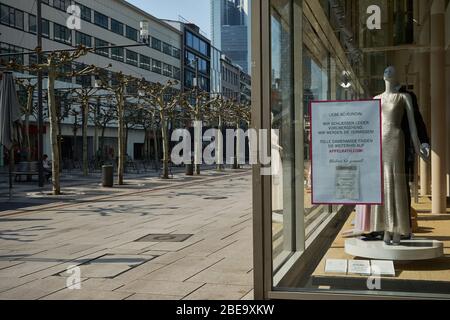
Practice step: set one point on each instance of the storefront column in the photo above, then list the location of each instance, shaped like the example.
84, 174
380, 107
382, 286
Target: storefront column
438, 105
447, 36
425, 170
424, 95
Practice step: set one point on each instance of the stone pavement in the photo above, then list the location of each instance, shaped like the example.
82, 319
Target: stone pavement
187, 238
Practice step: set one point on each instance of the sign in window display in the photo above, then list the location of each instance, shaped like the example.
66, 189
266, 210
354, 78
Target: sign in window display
346, 152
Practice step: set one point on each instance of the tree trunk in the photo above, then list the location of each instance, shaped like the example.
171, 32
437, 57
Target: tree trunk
156, 148
165, 137
85, 110
121, 160
102, 143
219, 150
54, 133
27, 123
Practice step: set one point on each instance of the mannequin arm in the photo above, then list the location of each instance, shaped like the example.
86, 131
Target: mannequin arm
412, 126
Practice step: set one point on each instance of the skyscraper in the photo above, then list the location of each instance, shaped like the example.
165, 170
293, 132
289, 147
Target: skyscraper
230, 28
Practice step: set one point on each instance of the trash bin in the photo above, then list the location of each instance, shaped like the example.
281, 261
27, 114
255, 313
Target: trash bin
189, 169
107, 176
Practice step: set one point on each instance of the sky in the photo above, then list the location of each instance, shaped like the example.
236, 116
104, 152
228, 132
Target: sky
196, 11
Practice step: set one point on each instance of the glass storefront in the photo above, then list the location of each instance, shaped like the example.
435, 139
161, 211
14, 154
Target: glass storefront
335, 50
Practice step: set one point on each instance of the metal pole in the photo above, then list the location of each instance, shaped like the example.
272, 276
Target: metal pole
39, 92
197, 166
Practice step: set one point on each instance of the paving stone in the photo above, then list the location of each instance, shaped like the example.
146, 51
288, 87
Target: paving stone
219, 292
87, 295
168, 288
35, 289
77, 233
221, 277
182, 269
147, 297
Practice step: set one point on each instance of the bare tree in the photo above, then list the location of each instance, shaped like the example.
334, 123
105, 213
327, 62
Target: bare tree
27, 110
162, 100
197, 106
84, 95
53, 66
117, 86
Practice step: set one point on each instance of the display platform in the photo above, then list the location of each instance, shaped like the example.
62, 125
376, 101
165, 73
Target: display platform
411, 276
408, 250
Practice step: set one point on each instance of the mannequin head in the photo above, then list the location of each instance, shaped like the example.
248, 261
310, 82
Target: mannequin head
390, 75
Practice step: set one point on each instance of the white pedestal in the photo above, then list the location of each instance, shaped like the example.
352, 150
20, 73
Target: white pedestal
408, 250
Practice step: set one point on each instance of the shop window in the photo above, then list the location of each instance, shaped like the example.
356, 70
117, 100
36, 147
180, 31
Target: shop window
326, 53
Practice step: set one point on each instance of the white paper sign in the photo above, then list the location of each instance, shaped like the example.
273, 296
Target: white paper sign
346, 152
383, 268
360, 267
336, 266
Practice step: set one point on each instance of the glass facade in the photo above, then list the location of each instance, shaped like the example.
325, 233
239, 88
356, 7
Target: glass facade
339, 51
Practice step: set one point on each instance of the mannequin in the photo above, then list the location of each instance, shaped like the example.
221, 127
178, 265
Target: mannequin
393, 217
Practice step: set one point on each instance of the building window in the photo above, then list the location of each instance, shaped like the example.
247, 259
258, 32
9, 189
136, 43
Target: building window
145, 62
132, 58
83, 39
86, 12
8, 48
103, 51
101, 20
61, 4
167, 49
167, 70
156, 44
11, 17
117, 27
32, 26
117, 54
156, 66
203, 48
189, 39
176, 53
62, 34
131, 33
176, 73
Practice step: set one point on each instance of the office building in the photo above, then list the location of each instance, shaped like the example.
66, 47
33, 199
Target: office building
230, 30
231, 86
196, 55
103, 23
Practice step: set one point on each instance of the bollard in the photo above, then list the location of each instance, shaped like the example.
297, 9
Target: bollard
189, 169
107, 176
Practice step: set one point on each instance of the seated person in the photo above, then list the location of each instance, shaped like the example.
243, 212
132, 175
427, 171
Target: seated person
47, 167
